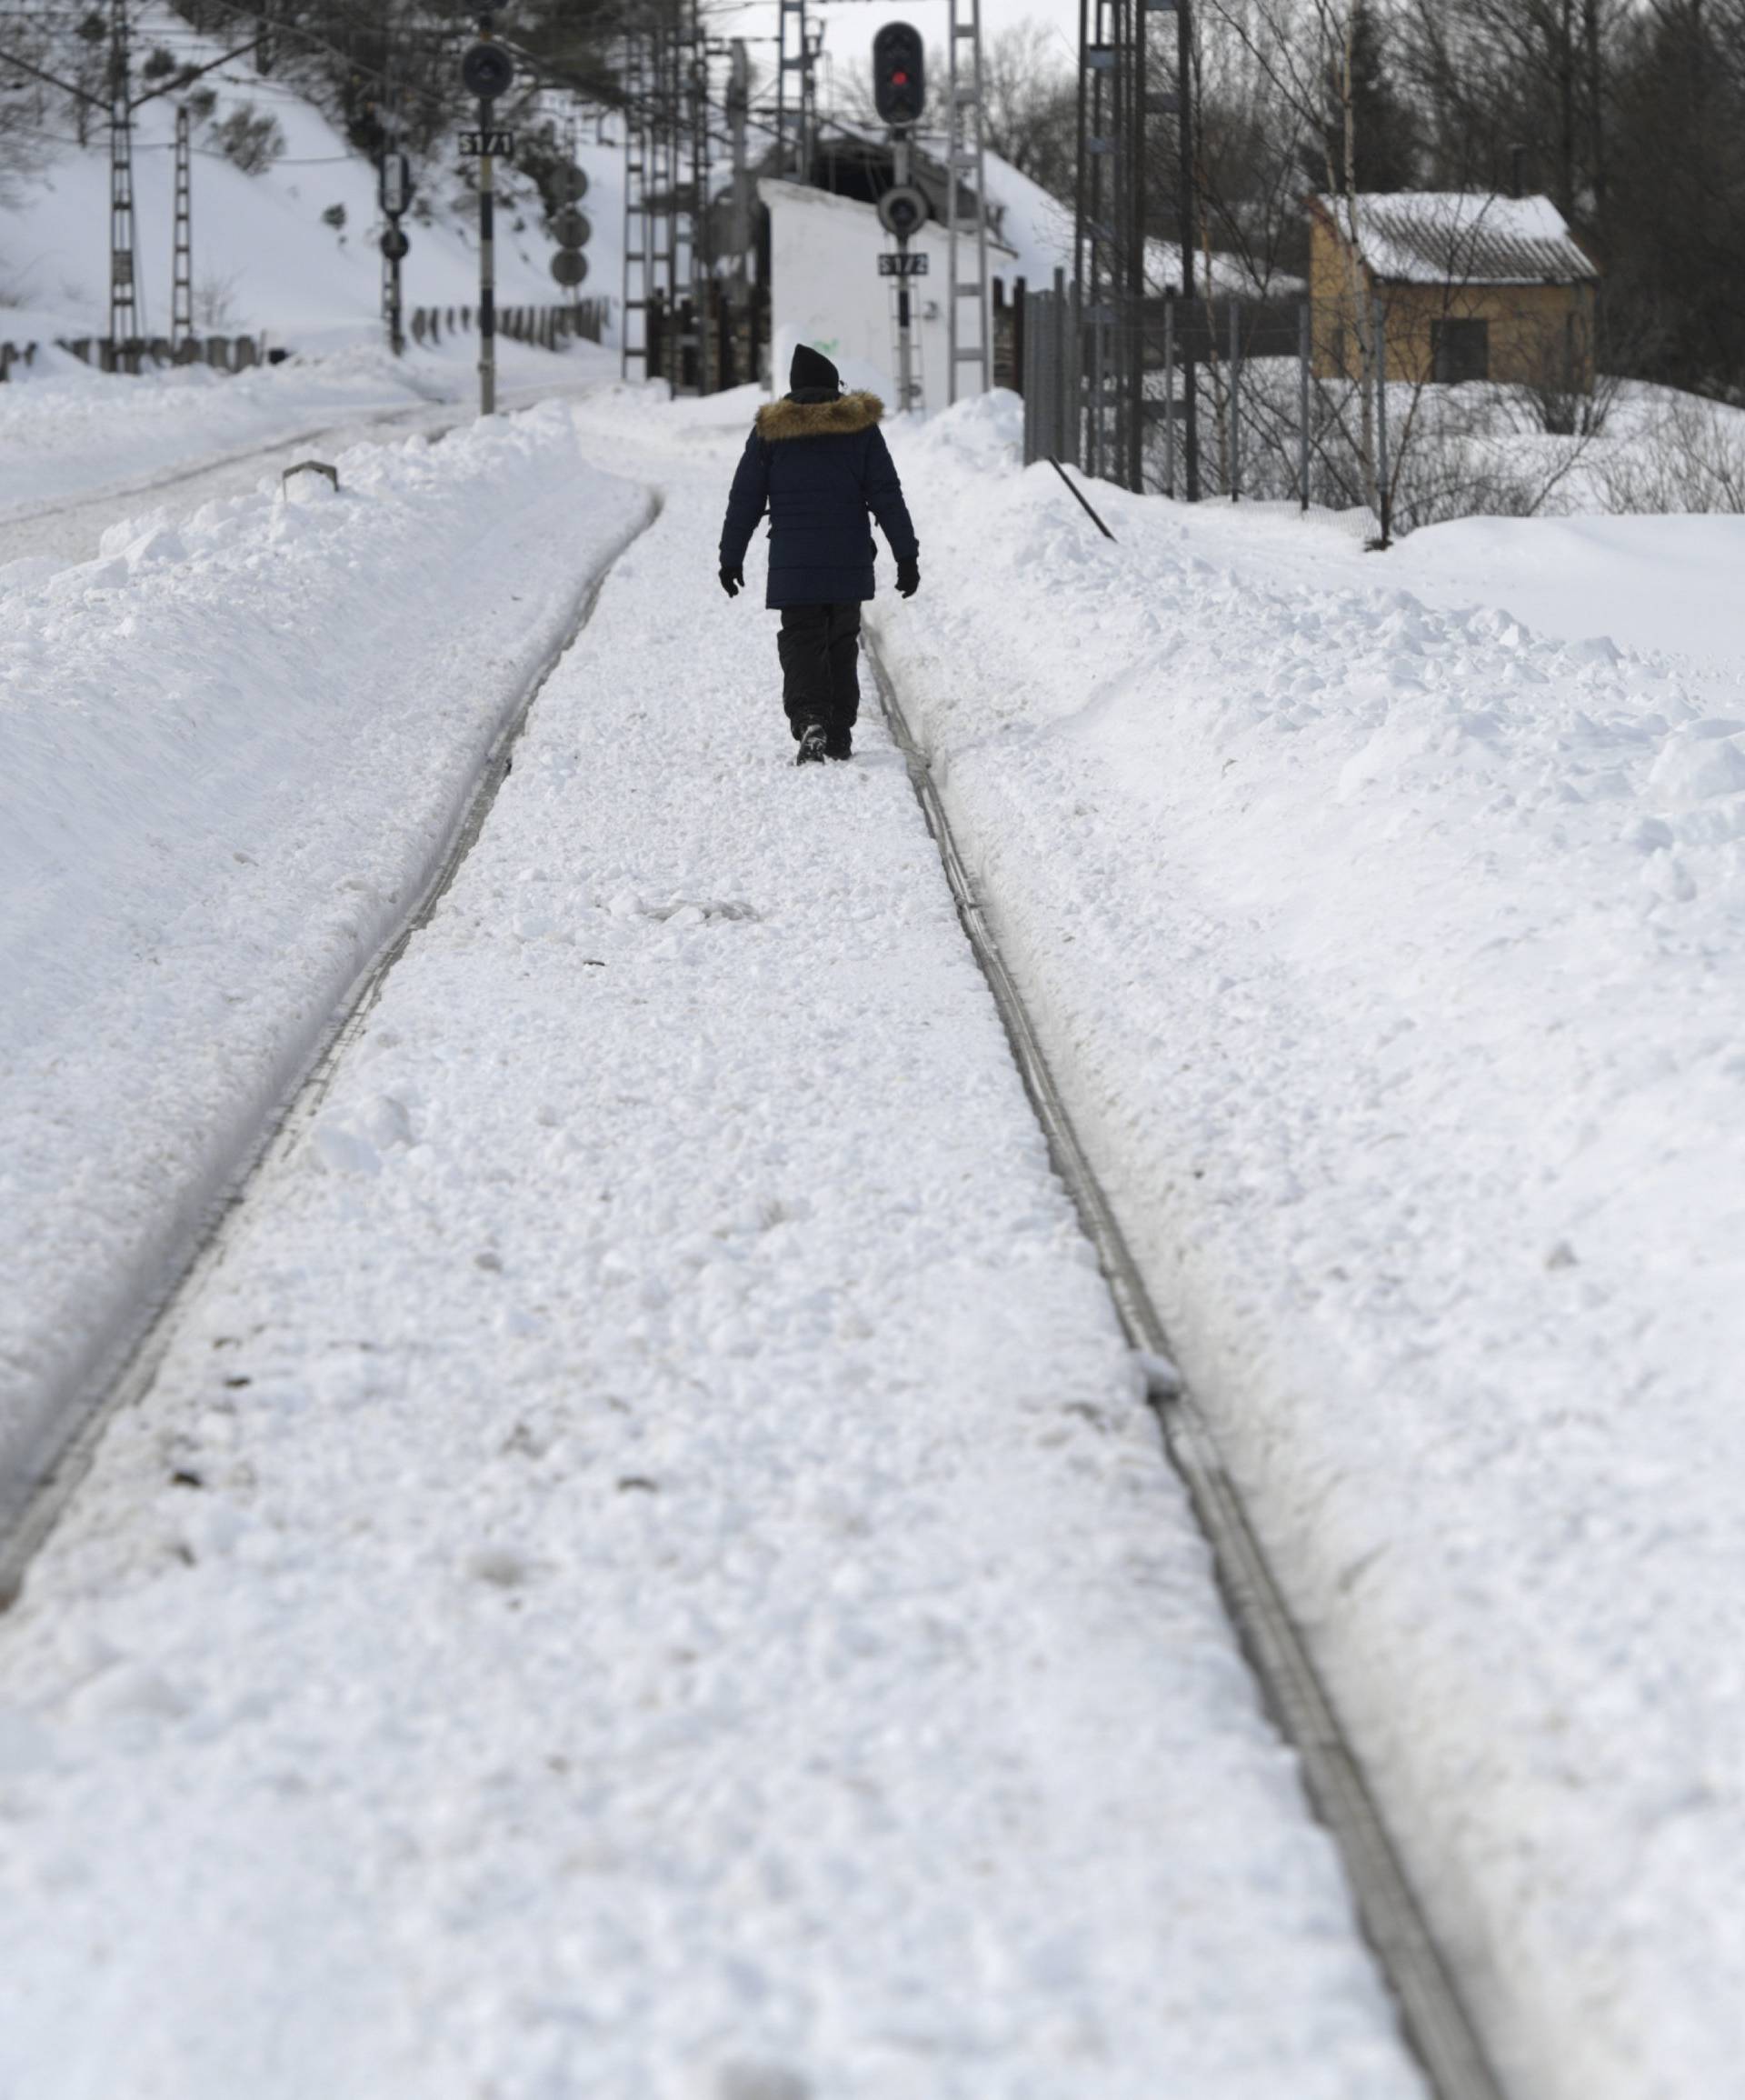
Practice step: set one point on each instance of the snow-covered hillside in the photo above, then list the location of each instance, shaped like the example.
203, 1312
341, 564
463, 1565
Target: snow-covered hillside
265, 258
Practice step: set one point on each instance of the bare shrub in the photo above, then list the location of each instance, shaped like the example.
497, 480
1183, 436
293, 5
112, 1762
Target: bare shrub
250, 137
215, 300
1692, 457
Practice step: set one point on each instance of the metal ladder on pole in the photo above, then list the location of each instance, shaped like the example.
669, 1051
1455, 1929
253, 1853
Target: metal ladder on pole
661, 201
123, 292
632, 335
968, 331
182, 272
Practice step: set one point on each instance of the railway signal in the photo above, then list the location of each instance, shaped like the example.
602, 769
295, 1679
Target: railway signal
395, 190
572, 229
903, 211
900, 93
396, 183
487, 71
899, 74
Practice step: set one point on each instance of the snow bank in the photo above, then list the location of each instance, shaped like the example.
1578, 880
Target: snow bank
1389, 954
229, 750
80, 432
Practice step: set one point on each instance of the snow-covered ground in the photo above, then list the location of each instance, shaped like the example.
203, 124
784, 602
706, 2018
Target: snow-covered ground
646, 1570
231, 748
1385, 917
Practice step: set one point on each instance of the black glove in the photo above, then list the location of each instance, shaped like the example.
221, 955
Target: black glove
908, 579
732, 580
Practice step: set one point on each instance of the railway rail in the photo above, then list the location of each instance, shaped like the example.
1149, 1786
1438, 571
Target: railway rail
1436, 2021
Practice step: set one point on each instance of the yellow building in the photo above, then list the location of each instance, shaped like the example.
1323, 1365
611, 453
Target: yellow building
1471, 286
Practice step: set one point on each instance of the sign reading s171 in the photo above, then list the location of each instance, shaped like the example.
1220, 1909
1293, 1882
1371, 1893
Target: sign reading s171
903, 265
499, 145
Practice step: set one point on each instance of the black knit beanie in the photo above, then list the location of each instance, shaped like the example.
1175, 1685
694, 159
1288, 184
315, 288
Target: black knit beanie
813, 373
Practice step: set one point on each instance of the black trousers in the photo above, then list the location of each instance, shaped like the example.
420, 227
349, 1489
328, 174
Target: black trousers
820, 648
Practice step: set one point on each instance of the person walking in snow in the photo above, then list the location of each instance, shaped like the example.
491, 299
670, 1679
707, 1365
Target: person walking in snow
817, 461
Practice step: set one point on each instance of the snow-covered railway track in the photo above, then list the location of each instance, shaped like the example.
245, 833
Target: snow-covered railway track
33, 1494
70, 528
1432, 2011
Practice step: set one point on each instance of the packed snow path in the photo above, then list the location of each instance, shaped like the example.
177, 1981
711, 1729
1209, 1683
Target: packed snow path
646, 1570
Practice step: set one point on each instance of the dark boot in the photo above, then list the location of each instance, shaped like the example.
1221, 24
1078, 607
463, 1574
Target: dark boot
811, 746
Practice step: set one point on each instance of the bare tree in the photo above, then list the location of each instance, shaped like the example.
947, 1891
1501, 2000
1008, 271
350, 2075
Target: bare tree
1317, 59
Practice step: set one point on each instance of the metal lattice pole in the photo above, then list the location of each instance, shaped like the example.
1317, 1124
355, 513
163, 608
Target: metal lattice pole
964, 163
1187, 220
739, 101
691, 82
124, 296
633, 345
791, 163
182, 281
811, 43
1102, 176
663, 182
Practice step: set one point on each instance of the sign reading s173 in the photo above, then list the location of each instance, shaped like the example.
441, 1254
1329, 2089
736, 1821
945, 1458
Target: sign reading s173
903, 265
499, 145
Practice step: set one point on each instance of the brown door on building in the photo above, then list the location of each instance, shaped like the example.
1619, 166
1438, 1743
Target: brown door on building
1459, 350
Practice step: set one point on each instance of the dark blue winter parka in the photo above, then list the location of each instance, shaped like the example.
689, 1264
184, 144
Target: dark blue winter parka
818, 468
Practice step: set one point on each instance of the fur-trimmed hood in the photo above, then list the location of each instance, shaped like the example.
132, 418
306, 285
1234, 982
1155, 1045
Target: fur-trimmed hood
840, 418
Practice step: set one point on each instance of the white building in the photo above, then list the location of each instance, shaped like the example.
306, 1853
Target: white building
825, 291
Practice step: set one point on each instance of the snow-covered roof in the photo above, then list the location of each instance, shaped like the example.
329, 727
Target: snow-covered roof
1464, 237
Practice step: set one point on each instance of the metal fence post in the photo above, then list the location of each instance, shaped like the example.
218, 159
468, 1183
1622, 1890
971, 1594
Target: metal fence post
1030, 427
1235, 400
1305, 350
1383, 494
1169, 397
1057, 446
